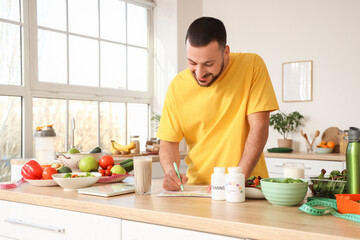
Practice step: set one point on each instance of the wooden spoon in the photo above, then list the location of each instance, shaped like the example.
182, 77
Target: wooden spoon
317, 133
307, 140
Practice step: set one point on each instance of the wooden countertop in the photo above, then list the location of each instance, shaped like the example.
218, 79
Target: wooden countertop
307, 156
255, 219
155, 158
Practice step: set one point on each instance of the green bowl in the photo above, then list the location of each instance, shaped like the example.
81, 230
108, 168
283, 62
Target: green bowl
284, 194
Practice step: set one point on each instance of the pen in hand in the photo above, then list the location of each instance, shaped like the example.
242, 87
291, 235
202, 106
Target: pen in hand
178, 174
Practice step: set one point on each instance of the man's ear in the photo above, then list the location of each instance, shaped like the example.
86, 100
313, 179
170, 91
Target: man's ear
227, 50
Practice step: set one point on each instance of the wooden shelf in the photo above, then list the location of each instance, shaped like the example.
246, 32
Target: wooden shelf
308, 156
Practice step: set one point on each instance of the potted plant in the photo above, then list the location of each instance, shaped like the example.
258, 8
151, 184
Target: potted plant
284, 124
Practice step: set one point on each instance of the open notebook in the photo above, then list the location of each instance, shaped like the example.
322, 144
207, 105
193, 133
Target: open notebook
189, 191
108, 190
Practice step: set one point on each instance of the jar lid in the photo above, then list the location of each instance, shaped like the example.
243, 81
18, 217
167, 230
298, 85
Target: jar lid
235, 169
354, 134
219, 170
49, 132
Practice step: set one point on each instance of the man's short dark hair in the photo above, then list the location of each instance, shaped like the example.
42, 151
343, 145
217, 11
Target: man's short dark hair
205, 30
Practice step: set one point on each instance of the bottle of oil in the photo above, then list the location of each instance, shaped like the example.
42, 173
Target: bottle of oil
353, 161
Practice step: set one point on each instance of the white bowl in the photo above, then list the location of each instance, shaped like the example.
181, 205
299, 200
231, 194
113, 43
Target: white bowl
323, 150
254, 193
72, 160
71, 184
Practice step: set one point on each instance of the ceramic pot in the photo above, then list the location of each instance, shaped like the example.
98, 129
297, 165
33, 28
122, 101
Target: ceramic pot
285, 143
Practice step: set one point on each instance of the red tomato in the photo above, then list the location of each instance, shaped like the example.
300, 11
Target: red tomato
48, 171
106, 161
109, 167
102, 171
107, 172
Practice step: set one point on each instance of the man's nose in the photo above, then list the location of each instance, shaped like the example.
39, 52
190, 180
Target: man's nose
199, 72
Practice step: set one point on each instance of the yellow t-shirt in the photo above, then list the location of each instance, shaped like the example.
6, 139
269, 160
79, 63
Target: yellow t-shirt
213, 119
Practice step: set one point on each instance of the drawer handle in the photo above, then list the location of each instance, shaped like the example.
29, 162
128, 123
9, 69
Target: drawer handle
19, 221
280, 165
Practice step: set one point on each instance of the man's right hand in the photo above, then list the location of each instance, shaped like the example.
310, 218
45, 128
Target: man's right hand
172, 182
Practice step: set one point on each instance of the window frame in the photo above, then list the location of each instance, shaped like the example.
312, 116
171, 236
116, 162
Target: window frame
32, 88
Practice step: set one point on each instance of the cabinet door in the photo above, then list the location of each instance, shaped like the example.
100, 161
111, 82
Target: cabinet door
312, 167
138, 231
25, 221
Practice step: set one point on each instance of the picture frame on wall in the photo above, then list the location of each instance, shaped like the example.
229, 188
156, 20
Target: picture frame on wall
297, 81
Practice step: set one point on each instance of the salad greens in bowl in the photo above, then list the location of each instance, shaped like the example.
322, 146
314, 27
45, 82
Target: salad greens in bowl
284, 191
328, 186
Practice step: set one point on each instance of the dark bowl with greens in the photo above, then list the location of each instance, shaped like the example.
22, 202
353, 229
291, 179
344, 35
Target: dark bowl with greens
328, 186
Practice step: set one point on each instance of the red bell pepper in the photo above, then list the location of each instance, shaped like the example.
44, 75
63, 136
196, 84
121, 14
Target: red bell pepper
32, 170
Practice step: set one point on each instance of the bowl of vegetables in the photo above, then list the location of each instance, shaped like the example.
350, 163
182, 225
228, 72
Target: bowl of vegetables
253, 188
284, 191
76, 180
328, 186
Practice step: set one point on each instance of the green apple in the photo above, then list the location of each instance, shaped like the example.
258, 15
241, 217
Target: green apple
73, 150
117, 169
88, 164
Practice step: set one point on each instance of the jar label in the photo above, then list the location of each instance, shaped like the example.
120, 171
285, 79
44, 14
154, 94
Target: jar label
232, 186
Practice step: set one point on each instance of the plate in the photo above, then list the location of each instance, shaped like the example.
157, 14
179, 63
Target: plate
114, 178
42, 183
280, 150
254, 193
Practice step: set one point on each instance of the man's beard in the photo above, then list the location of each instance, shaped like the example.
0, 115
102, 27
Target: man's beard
210, 74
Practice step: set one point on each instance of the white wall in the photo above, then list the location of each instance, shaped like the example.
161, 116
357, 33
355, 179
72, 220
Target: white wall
325, 31
165, 49
171, 20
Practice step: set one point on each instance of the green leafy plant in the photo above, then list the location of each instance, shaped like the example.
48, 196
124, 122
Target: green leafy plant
155, 120
285, 123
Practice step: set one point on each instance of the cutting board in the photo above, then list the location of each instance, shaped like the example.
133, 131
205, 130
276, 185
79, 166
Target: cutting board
332, 134
130, 155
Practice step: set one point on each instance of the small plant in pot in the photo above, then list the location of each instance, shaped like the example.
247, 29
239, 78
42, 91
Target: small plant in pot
284, 124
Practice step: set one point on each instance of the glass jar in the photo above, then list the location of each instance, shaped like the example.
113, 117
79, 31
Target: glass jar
45, 145
136, 140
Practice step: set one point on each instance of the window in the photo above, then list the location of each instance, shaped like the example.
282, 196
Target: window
102, 45
61, 60
11, 28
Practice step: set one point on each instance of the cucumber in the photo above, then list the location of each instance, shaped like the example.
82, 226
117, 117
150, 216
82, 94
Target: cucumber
64, 169
126, 161
128, 166
96, 150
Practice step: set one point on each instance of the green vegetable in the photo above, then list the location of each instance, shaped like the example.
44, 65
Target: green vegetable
64, 169
287, 180
96, 150
128, 165
327, 187
68, 175
126, 161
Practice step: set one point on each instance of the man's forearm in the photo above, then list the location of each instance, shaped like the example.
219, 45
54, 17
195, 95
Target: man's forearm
169, 152
255, 143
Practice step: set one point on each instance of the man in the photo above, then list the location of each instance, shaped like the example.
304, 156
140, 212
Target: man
220, 104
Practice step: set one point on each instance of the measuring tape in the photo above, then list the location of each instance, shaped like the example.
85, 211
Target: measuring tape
11, 185
330, 205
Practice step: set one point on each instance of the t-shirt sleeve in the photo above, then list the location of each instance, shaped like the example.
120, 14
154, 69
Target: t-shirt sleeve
261, 96
169, 127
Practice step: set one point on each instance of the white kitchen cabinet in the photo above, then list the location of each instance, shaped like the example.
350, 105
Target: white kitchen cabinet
138, 231
25, 221
312, 167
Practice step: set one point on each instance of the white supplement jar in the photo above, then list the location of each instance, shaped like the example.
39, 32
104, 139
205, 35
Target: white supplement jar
218, 184
235, 185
